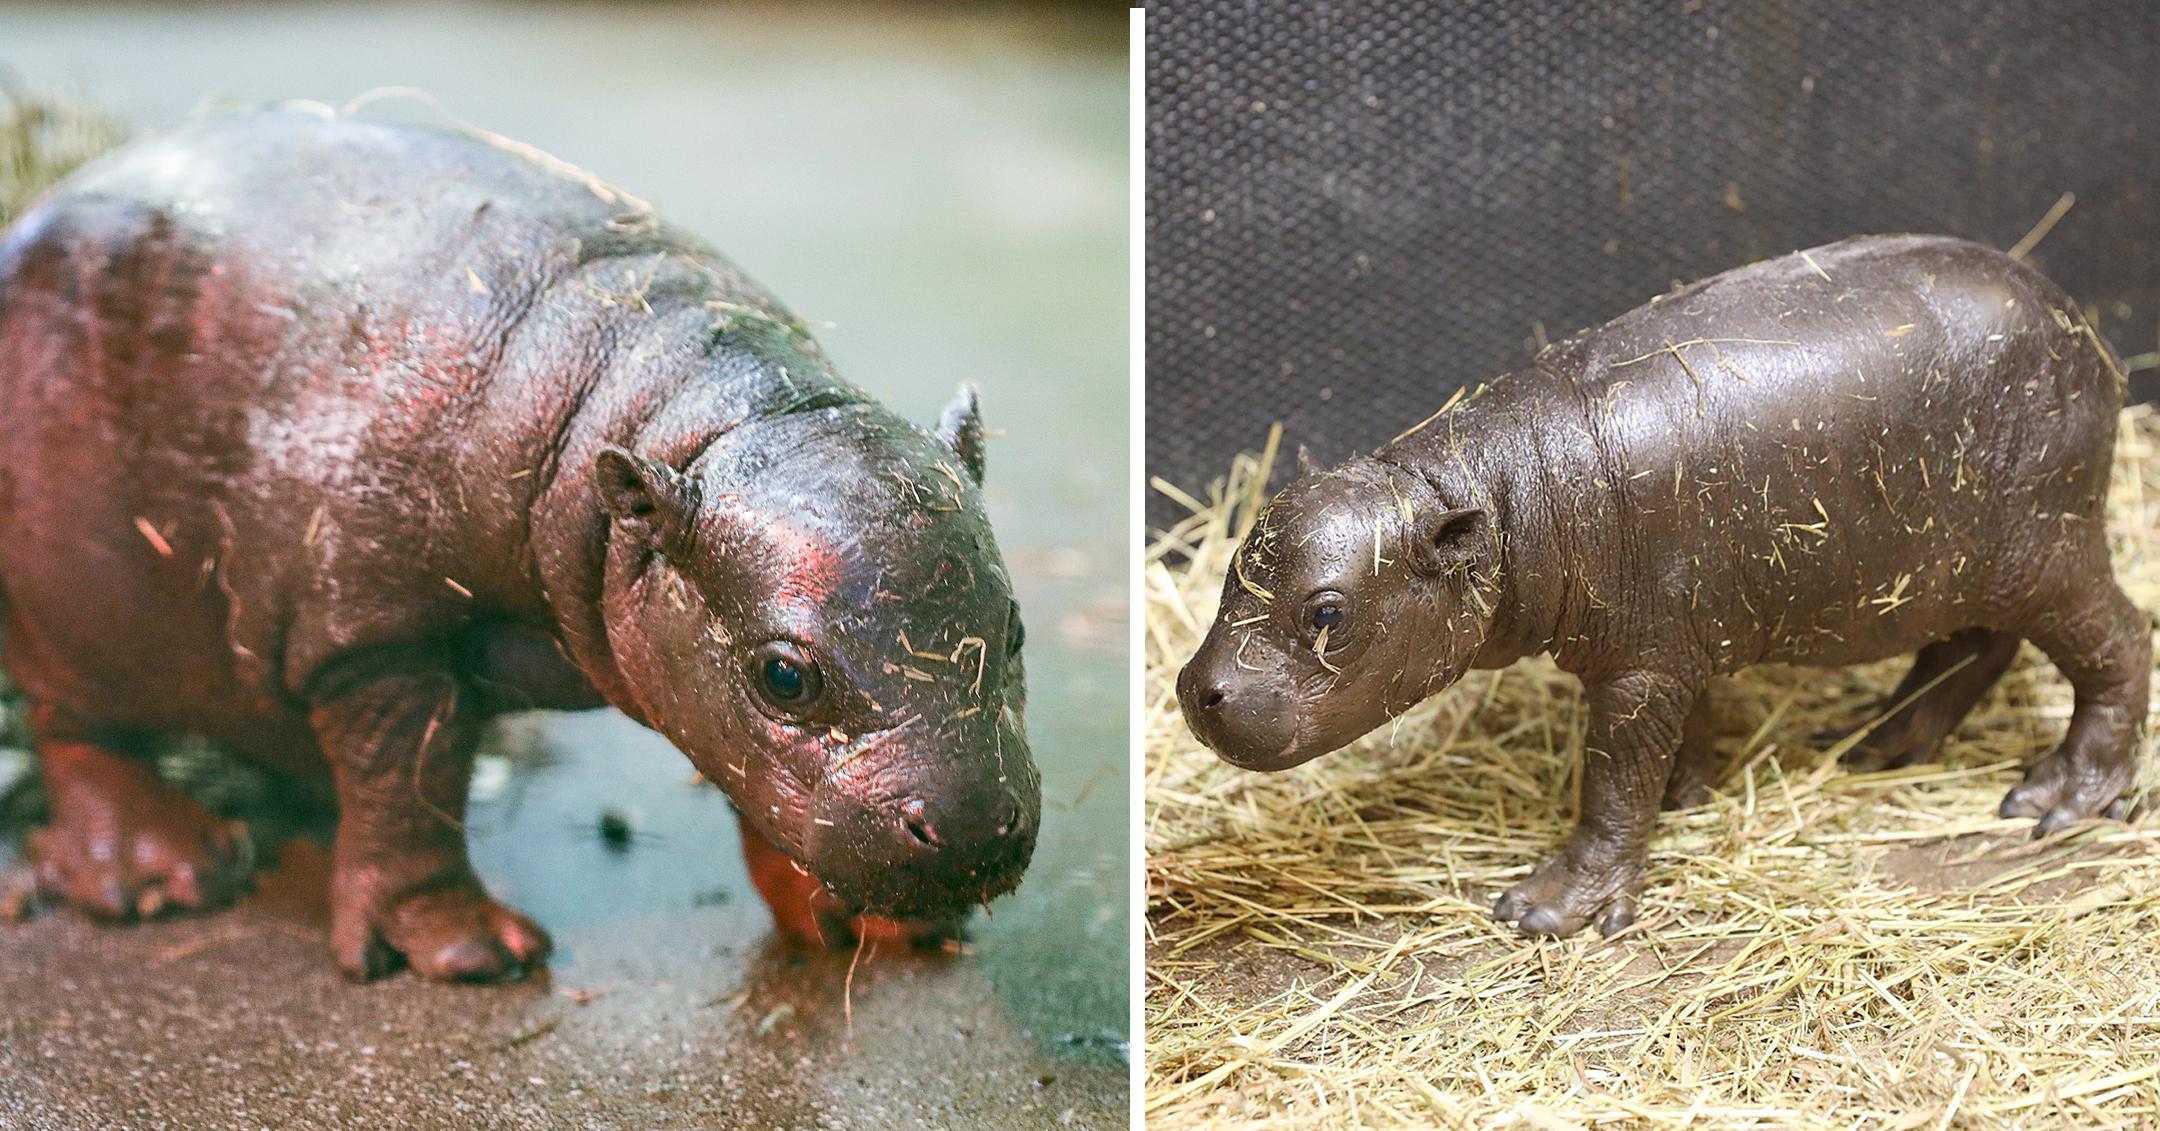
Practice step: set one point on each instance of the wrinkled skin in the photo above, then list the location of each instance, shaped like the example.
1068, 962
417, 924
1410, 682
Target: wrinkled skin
331, 439
1886, 445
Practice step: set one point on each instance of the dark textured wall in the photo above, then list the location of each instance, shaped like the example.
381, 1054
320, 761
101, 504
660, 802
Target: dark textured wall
1354, 207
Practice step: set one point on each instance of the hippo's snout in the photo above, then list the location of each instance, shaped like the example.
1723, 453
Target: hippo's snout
1247, 719
932, 850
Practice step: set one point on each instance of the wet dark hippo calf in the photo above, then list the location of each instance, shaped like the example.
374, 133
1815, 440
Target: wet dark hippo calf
1889, 444
329, 439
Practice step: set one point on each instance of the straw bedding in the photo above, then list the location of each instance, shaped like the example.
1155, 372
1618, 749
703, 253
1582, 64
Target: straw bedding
1817, 946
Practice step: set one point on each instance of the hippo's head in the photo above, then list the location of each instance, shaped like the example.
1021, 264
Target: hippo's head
814, 611
1359, 592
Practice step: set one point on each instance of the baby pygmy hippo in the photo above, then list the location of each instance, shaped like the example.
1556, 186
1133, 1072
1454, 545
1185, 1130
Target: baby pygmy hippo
1890, 444
329, 439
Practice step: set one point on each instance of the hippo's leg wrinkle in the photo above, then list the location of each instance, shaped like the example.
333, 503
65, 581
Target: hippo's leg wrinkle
809, 917
400, 745
122, 843
1695, 766
1947, 680
2102, 645
1637, 724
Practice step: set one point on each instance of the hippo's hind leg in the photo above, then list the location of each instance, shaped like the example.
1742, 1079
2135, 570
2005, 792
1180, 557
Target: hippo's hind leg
1695, 765
122, 843
1637, 723
1947, 680
2103, 645
399, 729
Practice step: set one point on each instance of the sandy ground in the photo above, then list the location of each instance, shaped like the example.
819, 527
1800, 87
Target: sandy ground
948, 196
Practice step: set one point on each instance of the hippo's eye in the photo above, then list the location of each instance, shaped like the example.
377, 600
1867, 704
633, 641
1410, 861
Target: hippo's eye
1015, 631
786, 677
1324, 611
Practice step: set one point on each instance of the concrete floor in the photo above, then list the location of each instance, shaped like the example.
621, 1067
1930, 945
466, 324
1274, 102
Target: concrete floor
949, 193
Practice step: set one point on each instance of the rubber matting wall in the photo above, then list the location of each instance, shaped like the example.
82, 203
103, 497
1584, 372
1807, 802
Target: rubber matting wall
1353, 207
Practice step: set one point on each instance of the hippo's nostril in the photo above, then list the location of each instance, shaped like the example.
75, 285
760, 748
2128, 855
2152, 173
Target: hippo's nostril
1211, 698
917, 826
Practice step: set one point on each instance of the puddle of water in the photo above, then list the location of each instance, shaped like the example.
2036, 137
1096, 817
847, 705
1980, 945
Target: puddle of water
1054, 951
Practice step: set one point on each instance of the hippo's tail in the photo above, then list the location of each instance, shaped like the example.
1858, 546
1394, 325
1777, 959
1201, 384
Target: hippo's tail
42, 138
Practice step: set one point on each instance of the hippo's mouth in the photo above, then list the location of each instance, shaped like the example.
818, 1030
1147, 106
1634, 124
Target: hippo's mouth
810, 908
939, 909
930, 893
1299, 751
913, 857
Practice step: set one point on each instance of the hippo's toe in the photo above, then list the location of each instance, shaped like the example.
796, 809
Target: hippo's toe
2062, 789
1566, 894
454, 933
140, 860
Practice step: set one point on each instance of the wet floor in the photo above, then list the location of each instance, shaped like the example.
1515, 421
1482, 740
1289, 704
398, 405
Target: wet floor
948, 195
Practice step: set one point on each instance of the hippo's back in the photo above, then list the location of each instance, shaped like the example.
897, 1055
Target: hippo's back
329, 197
1823, 456
233, 351
1878, 333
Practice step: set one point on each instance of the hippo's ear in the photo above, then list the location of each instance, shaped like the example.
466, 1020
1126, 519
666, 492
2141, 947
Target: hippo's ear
1308, 464
961, 428
648, 497
1444, 538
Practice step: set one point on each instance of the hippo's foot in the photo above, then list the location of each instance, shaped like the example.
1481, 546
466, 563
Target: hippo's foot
1689, 786
1580, 886
1902, 739
2105, 649
1947, 680
450, 930
1695, 766
1685, 792
809, 917
1889, 746
1905, 738
2062, 789
124, 845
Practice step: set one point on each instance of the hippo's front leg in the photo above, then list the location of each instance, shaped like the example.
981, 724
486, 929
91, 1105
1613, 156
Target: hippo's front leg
1637, 722
398, 730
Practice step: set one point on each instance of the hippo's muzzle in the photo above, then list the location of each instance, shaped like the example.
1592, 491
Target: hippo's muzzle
1249, 718
923, 839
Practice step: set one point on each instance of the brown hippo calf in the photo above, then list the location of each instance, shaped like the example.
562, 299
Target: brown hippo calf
1889, 444
328, 439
